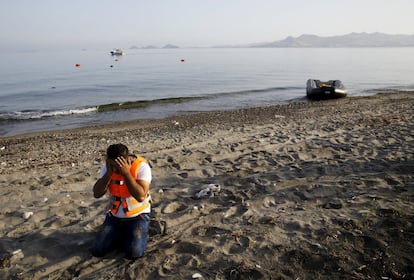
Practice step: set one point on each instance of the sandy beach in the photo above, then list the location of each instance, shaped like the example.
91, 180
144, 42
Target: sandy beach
316, 190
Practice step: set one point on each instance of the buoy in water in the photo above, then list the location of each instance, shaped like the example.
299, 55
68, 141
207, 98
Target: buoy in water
182, 60
77, 65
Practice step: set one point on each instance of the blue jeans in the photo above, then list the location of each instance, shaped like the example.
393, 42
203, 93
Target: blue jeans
130, 234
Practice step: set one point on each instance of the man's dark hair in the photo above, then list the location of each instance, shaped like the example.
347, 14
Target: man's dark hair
117, 150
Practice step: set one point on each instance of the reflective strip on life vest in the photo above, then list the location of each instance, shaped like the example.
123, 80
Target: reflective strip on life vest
130, 205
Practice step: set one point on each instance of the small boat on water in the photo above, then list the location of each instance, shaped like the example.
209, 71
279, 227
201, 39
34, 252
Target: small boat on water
117, 52
315, 89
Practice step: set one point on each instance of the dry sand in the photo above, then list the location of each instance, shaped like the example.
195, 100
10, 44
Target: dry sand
319, 190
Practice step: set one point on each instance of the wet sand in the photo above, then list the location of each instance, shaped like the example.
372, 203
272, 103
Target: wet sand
318, 190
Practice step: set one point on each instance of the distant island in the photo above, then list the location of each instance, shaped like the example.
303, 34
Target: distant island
352, 40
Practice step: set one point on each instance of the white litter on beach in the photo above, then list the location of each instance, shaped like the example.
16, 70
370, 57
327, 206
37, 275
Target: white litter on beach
197, 276
208, 191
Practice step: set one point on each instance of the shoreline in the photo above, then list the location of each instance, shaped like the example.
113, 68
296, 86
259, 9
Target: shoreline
142, 123
318, 190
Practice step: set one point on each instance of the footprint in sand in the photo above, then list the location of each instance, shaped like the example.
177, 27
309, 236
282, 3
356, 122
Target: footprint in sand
242, 243
173, 207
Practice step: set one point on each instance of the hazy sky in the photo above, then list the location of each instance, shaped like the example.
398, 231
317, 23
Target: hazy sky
29, 24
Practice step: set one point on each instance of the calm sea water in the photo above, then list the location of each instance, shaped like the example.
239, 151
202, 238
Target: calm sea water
42, 91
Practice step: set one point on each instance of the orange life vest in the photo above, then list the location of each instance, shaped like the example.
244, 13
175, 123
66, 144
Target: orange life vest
120, 194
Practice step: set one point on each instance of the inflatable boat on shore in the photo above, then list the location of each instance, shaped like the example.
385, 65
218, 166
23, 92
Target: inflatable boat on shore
315, 89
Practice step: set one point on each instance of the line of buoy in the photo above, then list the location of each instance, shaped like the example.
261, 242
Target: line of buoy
78, 64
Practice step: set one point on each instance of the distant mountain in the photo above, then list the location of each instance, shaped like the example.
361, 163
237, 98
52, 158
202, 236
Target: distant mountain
170, 46
352, 40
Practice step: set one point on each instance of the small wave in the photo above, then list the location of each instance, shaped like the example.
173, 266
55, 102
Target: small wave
41, 114
143, 103
254, 91
33, 114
